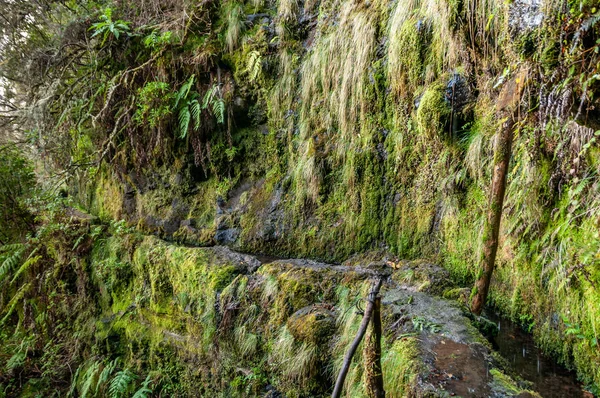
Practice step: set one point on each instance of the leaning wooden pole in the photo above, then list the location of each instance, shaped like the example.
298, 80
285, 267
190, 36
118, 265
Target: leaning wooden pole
491, 228
508, 108
339, 384
372, 355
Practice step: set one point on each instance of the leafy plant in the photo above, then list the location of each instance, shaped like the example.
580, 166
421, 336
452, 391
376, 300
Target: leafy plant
107, 26
120, 383
254, 66
106, 372
10, 255
155, 41
422, 324
144, 390
215, 100
575, 330
188, 107
89, 379
153, 103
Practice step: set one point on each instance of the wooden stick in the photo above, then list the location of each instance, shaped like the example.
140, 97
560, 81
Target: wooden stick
339, 384
372, 355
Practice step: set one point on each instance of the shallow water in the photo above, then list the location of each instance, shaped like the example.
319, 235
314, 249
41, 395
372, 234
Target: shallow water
549, 379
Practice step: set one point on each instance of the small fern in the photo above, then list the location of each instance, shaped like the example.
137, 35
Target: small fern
218, 109
106, 372
11, 248
144, 390
189, 108
10, 259
213, 98
209, 96
195, 111
74, 382
89, 379
184, 121
120, 383
12, 304
31, 260
184, 91
254, 66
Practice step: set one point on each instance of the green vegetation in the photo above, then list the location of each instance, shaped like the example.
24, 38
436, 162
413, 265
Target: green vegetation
315, 129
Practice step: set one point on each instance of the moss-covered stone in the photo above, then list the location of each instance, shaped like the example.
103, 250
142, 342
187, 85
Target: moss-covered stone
312, 324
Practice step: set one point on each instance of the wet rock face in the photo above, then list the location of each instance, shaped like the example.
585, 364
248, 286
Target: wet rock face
525, 15
458, 93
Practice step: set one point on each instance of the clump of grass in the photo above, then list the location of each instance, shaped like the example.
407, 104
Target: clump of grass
422, 44
295, 362
235, 25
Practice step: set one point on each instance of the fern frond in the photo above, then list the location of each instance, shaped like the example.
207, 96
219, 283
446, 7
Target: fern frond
74, 381
89, 377
218, 109
78, 241
195, 111
15, 300
10, 262
184, 121
254, 65
208, 96
120, 383
184, 90
31, 260
144, 390
11, 248
106, 372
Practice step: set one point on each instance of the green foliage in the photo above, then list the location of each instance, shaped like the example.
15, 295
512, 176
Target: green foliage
144, 391
214, 100
17, 184
107, 27
254, 66
187, 107
421, 324
121, 383
106, 373
155, 41
90, 378
10, 256
153, 104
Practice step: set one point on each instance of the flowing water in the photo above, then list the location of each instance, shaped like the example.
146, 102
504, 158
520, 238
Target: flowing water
549, 379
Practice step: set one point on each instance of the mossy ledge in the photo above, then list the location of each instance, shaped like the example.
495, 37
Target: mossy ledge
232, 326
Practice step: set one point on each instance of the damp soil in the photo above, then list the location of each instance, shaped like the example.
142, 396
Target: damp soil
549, 379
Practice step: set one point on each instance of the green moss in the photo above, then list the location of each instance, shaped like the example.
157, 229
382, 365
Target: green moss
403, 357
503, 384
433, 112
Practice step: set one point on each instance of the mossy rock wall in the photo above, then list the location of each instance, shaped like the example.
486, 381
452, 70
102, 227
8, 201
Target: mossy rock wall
353, 138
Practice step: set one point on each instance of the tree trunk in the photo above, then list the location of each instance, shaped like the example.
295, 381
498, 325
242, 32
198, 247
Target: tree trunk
339, 384
491, 228
372, 355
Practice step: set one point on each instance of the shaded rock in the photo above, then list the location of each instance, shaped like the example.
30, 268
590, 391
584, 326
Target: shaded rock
312, 324
227, 236
252, 18
421, 275
458, 92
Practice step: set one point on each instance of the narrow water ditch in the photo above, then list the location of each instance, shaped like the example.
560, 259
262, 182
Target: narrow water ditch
549, 379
